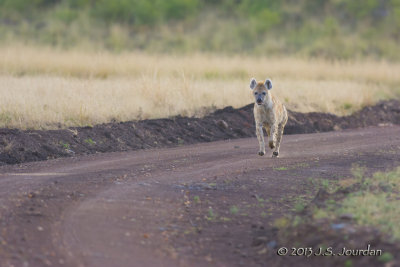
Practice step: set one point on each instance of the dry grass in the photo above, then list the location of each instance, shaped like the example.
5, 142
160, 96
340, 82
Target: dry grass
47, 88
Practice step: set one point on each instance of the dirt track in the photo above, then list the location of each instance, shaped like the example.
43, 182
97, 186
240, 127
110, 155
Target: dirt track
189, 206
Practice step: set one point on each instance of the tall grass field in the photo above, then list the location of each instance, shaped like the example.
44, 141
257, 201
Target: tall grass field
49, 88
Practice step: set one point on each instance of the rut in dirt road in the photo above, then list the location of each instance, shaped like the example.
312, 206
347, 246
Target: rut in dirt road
187, 206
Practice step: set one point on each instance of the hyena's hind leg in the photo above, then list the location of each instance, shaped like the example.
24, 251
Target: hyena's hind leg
275, 154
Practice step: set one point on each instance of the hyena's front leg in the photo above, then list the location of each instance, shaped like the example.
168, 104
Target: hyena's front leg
272, 138
278, 141
260, 137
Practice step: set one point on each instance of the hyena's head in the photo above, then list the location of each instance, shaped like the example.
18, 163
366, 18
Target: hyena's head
260, 90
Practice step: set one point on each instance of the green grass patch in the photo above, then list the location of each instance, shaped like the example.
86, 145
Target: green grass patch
281, 168
234, 210
376, 203
65, 145
211, 214
90, 141
299, 206
386, 257
196, 199
328, 185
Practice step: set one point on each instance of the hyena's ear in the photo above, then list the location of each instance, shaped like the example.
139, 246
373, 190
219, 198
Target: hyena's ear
268, 84
253, 83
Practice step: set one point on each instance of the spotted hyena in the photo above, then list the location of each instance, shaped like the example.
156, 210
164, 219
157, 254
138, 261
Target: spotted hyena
269, 113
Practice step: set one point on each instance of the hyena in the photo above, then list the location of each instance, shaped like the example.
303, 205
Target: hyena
269, 113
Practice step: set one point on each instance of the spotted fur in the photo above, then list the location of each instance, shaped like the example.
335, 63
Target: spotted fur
269, 113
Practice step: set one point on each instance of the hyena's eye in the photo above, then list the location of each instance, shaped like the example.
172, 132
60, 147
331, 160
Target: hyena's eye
264, 93
256, 93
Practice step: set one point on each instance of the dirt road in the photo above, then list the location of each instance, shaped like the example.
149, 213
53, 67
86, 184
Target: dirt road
187, 206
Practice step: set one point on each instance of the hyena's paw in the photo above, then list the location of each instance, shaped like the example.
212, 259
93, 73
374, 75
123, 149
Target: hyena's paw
261, 153
271, 144
275, 154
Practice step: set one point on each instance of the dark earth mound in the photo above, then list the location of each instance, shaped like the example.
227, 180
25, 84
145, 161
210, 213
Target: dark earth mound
17, 146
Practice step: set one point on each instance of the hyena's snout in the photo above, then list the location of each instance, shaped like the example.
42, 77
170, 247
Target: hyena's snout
260, 99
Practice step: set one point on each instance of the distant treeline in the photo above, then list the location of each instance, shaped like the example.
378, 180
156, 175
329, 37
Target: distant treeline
328, 28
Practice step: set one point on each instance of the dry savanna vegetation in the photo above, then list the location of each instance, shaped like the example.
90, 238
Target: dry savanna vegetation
47, 88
